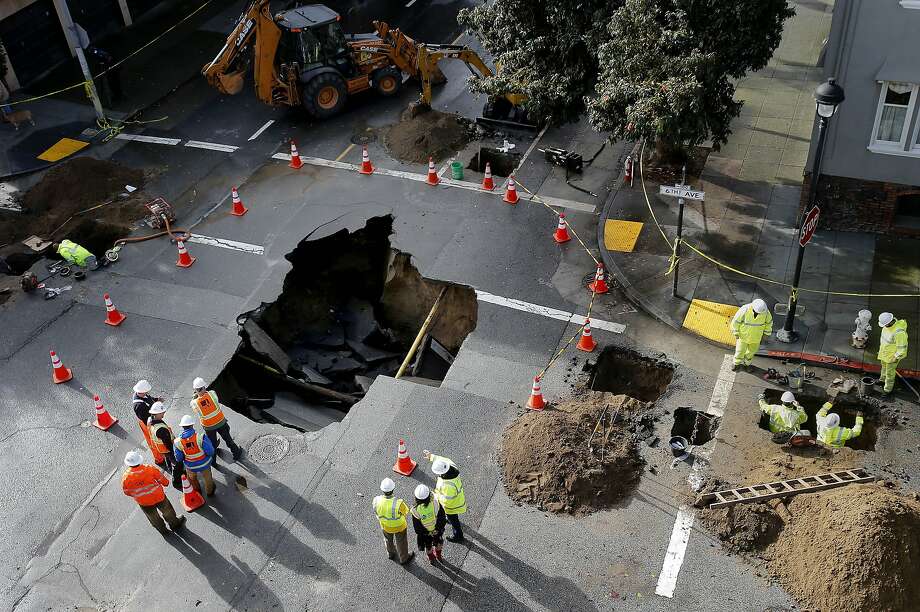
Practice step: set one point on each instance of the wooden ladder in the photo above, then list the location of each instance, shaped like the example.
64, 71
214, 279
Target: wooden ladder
785, 488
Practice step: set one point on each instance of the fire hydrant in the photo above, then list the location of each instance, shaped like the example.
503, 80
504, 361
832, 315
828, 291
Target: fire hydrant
628, 171
863, 327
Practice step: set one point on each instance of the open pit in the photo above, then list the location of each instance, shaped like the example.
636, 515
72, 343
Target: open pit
622, 371
845, 406
500, 163
349, 310
697, 427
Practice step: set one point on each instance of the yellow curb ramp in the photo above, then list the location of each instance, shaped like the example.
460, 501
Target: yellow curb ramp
710, 320
621, 235
64, 147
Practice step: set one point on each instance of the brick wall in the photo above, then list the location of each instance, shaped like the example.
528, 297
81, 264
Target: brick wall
856, 205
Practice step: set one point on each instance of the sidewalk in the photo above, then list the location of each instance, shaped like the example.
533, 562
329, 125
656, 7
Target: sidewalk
145, 78
748, 221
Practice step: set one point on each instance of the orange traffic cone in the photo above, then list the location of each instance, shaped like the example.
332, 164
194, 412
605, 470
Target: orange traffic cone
562, 230
112, 315
366, 167
185, 260
238, 209
191, 499
586, 343
296, 162
511, 195
599, 284
487, 183
104, 420
433, 178
59, 374
536, 396
404, 464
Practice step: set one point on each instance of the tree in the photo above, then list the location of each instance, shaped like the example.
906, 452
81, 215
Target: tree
667, 65
546, 50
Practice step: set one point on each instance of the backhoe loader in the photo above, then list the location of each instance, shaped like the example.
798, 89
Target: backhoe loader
301, 57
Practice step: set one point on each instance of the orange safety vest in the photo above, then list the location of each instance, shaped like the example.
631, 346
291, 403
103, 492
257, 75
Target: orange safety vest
153, 427
209, 412
191, 448
157, 456
145, 484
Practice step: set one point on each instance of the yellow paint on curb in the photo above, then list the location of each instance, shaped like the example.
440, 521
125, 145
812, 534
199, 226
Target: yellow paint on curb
61, 149
710, 320
621, 235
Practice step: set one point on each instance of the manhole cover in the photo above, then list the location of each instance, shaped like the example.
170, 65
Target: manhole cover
268, 449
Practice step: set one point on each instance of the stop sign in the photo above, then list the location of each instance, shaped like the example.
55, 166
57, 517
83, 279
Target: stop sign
809, 225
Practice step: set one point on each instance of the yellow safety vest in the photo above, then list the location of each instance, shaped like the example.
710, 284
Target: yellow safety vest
893, 342
450, 494
750, 326
836, 437
390, 512
783, 419
73, 252
427, 514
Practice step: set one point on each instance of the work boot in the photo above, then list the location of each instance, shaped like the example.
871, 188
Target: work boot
409, 558
237, 453
431, 556
437, 554
736, 367
180, 524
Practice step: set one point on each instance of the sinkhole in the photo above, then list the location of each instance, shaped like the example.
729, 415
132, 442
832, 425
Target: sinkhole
501, 163
349, 310
696, 426
845, 406
626, 372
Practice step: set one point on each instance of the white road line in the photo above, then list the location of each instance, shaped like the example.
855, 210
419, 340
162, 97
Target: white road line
421, 178
723, 387
674, 558
410, 3
530, 149
259, 131
214, 146
224, 243
150, 139
551, 313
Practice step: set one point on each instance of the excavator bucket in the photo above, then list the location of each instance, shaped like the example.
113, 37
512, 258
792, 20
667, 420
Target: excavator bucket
231, 83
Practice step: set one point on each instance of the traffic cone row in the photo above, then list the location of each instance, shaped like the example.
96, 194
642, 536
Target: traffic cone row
296, 162
191, 499
366, 167
238, 209
511, 195
562, 230
433, 178
404, 464
104, 420
112, 316
599, 284
586, 343
59, 374
487, 183
185, 260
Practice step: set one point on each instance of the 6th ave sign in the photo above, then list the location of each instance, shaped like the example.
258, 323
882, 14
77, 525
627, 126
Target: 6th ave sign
809, 225
681, 191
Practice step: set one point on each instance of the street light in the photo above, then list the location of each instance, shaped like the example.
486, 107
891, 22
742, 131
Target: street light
828, 96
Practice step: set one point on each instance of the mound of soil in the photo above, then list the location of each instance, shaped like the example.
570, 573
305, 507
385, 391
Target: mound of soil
853, 548
431, 134
546, 460
744, 528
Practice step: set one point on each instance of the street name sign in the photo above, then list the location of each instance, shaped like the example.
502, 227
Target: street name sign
809, 225
681, 191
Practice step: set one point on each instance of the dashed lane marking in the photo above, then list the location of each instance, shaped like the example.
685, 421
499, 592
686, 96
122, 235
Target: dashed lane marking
410, 3
345, 152
224, 243
551, 313
149, 139
446, 182
723, 387
213, 146
259, 131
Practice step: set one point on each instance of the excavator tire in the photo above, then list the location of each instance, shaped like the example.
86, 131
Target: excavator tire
387, 81
324, 96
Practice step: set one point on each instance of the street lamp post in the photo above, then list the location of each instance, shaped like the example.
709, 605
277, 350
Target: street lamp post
828, 97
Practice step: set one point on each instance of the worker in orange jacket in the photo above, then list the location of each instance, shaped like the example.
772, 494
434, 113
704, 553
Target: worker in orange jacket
143, 402
145, 484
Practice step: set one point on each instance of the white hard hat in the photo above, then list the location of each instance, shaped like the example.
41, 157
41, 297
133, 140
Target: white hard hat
759, 306
142, 386
133, 459
387, 485
422, 492
787, 397
864, 315
187, 421
832, 420
157, 408
885, 318
199, 383
440, 467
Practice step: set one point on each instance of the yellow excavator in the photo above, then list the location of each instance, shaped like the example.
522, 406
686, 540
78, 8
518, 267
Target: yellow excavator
301, 57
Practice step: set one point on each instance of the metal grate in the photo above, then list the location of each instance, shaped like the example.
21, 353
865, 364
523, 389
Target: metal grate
268, 449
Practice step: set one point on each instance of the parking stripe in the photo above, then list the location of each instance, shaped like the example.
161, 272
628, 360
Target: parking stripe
259, 131
232, 245
674, 558
213, 146
150, 139
545, 311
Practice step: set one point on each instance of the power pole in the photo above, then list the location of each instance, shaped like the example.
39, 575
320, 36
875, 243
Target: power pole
79, 35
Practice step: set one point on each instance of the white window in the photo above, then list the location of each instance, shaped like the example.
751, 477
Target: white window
895, 108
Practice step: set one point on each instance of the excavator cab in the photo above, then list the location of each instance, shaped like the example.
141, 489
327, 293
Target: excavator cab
312, 36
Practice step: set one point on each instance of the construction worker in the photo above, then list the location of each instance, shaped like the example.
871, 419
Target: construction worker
391, 513
749, 325
892, 347
428, 520
161, 435
143, 402
212, 417
145, 484
195, 452
449, 491
75, 254
785, 418
830, 433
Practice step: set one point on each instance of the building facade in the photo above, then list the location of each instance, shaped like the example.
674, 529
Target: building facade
38, 34
870, 175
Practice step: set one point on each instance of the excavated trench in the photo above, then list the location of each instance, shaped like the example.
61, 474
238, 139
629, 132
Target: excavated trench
501, 164
626, 372
697, 427
845, 406
349, 311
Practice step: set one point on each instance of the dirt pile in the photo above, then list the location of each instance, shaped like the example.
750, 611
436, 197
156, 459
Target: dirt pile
546, 459
431, 134
744, 528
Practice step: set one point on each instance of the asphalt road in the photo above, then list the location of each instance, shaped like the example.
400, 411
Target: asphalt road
300, 534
